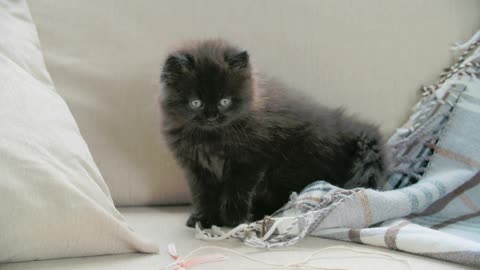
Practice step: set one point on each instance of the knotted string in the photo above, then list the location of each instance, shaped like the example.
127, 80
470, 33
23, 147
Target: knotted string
189, 261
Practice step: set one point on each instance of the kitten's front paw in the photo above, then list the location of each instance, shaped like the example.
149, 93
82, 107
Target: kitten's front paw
192, 220
204, 221
233, 214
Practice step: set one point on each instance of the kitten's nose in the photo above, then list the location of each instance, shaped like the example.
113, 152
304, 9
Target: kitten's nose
211, 115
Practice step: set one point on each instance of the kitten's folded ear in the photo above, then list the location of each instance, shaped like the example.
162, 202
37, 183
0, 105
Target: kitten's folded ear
176, 65
237, 59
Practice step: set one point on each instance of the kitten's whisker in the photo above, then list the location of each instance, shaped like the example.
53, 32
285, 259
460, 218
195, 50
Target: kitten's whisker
247, 138
234, 133
237, 134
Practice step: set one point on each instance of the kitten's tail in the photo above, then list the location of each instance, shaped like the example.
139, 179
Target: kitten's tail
369, 162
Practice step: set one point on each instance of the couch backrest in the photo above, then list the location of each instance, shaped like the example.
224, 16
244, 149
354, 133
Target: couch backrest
105, 57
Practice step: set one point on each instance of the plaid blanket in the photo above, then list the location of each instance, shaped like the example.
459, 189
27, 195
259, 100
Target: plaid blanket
431, 204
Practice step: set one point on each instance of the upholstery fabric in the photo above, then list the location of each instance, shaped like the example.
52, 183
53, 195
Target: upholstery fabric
368, 56
166, 225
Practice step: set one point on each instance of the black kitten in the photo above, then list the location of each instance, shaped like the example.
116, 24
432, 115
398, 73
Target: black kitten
247, 144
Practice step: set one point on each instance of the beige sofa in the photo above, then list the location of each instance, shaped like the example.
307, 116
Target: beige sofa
104, 57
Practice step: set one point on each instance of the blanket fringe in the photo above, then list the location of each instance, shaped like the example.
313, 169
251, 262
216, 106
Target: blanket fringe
432, 112
279, 231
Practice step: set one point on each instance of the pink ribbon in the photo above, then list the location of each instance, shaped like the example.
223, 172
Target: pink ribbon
190, 262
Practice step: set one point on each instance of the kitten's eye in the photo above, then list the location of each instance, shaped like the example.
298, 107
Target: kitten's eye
225, 102
196, 104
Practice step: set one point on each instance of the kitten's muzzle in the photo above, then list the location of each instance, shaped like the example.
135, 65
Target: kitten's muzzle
211, 116
212, 119
211, 122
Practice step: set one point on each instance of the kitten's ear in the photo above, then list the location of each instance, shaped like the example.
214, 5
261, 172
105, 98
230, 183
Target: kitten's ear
176, 65
238, 59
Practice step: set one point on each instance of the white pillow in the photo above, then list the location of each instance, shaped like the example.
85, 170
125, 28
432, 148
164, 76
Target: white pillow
53, 200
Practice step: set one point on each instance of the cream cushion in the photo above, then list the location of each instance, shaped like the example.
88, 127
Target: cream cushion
368, 56
53, 200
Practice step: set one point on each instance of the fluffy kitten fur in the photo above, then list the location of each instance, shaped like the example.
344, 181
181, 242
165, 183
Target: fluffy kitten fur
243, 160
